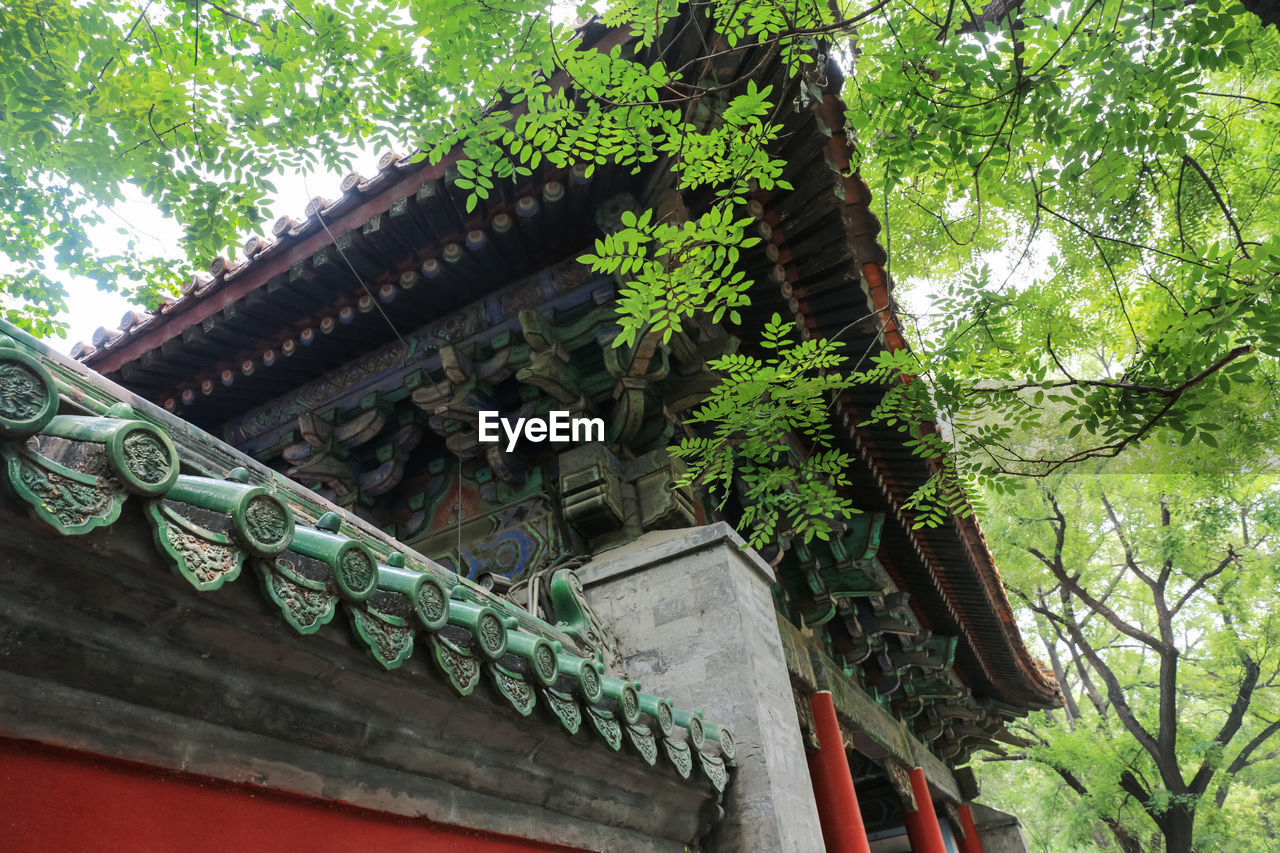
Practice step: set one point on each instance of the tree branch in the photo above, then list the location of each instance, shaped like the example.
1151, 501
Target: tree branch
1127, 842
1205, 578
1222, 204
1235, 718
1069, 583
1115, 692
1241, 760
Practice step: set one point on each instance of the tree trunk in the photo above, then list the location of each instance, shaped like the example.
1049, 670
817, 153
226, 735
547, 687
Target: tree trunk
1267, 10
1178, 826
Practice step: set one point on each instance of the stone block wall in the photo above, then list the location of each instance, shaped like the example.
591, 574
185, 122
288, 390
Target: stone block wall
694, 617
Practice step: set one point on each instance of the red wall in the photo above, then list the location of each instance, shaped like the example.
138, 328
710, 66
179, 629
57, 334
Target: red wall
54, 799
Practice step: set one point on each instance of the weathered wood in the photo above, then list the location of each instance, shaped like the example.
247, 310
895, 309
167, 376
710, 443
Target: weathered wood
875, 733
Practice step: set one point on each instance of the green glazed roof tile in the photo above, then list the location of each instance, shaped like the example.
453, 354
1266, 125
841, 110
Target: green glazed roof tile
75, 472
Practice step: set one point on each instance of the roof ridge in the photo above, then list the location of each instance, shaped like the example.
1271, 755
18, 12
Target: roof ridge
75, 473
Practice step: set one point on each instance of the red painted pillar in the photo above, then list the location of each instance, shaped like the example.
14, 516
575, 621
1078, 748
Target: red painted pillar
971, 842
922, 824
838, 810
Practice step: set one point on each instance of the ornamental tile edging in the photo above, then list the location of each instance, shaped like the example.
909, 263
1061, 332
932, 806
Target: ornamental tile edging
75, 472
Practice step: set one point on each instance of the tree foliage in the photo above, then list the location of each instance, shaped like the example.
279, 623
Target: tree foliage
1151, 585
1125, 152
754, 417
1129, 175
1114, 162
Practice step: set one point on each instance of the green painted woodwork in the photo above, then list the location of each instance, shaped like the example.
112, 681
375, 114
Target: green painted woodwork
550, 372
591, 493
663, 504
816, 575
550, 366
944, 686
934, 653
875, 730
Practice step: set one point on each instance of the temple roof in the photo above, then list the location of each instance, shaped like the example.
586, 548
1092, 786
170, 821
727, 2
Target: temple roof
306, 301
408, 200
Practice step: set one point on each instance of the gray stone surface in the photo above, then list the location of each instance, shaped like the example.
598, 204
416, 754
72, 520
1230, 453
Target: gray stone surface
1000, 831
695, 619
103, 649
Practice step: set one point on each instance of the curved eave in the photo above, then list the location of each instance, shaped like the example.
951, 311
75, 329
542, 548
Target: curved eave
953, 557
293, 241
948, 569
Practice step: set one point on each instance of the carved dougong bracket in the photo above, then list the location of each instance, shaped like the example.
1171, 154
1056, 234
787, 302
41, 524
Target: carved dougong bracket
549, 367
817, 576
636, 369
663, 505
590, 490
468, 386
320, 457
324, 458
